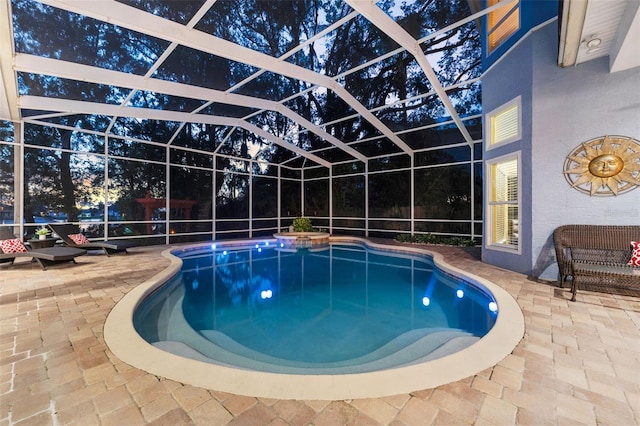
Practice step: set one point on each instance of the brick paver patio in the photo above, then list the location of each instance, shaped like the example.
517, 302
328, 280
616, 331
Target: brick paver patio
578, 363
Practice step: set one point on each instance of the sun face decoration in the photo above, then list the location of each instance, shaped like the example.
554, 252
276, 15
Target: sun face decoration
604, 166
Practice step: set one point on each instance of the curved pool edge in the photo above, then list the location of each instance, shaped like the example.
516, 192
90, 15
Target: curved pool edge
125, 343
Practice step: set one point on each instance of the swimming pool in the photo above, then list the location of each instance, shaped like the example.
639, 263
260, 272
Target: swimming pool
400, 365
335, 309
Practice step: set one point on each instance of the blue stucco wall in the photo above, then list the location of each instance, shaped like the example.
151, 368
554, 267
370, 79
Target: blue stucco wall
508, 74
512, 77
561, 108
571, 106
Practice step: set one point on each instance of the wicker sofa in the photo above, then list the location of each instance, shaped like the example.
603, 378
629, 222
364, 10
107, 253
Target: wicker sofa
596, 258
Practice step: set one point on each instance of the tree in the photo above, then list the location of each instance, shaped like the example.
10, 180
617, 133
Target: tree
395, 87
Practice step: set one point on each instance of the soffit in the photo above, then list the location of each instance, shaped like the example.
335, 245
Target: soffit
601, 28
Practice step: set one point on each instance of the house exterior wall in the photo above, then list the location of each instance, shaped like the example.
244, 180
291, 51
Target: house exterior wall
507, 79
561, 108
532, 13
571, 106
508, 74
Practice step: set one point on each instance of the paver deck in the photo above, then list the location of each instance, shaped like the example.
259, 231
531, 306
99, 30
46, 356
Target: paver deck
578, 362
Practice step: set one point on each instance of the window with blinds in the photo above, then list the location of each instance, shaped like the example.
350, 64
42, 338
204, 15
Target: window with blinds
504, 124
504, 202
502, 22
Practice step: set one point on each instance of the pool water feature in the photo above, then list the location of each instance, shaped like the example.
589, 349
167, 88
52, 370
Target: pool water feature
339, 309
179, 362
301, 239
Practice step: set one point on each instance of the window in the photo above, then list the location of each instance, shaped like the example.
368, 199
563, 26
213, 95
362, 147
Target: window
504, 124
502, 22
504, 202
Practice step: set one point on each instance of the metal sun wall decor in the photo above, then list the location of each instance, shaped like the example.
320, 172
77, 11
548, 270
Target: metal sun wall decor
604, 166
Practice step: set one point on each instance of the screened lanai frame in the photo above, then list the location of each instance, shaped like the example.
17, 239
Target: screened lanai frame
384, 151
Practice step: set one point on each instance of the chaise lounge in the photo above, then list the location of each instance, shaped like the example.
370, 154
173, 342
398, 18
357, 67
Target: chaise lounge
70, 234
12, 248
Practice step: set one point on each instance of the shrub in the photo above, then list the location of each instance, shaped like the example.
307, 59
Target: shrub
404, 238
433, 239
302, 224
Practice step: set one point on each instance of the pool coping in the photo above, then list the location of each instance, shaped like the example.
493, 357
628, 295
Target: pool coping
126, 344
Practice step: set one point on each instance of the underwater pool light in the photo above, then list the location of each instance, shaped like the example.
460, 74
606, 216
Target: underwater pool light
460, 294
266, 294
493, 306
426, 301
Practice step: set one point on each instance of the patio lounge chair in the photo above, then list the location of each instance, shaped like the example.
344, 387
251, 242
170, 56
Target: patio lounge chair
43, 256
70, 234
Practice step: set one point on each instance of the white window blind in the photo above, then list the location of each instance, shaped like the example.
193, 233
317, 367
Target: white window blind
505, 125
504, 203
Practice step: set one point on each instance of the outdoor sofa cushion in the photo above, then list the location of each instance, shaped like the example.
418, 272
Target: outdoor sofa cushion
607, 268
65, 230
635, 253
79, 238
13, 245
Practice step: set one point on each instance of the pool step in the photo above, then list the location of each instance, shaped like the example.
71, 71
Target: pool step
413, 347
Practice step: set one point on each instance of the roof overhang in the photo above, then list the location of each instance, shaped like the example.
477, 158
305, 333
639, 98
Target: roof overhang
592, 29
8, 85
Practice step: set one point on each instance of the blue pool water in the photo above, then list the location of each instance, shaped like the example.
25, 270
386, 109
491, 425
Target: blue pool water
338, 309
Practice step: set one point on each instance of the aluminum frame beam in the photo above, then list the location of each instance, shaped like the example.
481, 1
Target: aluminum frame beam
137, 20
83, 107
80, 72
377, 17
